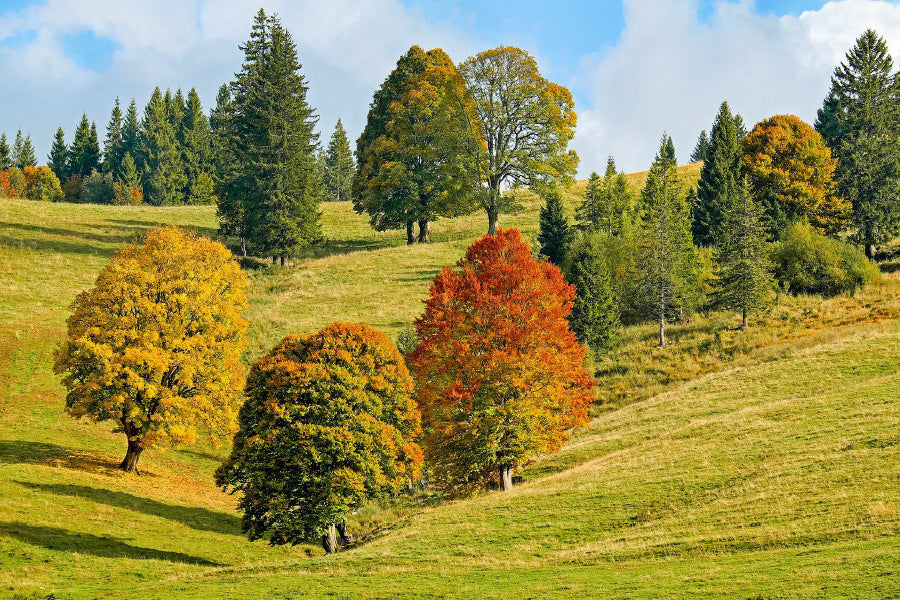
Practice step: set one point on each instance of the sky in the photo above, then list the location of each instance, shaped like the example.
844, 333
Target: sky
636, 68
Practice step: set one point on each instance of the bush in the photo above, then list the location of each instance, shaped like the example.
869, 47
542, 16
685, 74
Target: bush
126, 196
42, 184
72, 189
807, 262
98, 188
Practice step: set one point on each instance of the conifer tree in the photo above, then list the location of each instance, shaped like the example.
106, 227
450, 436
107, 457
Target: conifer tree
744, 280
84, 153
719, 177
701, 150
195, 150
113, 151
860, 122
339, 166
58, 157
165, 179
589, 213
6, 161
666, 255
25, 156
17, 149
554, 234
131, 134
128, 173
230, 205
595, 317
607, 201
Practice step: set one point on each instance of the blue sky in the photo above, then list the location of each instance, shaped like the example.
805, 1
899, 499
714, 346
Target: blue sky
636, 67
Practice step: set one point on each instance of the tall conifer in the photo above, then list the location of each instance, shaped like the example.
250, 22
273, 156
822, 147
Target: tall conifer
58, 157
113, 150
339, 166
720, 177
195, 150
554, 234
25, 157
6, 162
164, 183
84, 153
595, 317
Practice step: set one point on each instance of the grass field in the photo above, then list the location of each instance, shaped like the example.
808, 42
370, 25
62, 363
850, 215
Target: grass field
758, 464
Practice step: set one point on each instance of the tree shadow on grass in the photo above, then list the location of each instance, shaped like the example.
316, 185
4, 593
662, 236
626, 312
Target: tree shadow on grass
194, 517
53, 455
63, 540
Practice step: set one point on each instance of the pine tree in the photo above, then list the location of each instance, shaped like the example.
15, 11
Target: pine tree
339, 166
6, 162
701, 150
595, 317
195, 150
25, 157
59, 154
744, 280
860, 122
719, 178
128, 173
17, 149
554, 235
230, 205
93, 154
84, 153
666, 255
164, 183
131, 134
113, 147
607, 201
589, 213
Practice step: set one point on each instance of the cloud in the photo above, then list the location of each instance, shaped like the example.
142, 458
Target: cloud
670, 71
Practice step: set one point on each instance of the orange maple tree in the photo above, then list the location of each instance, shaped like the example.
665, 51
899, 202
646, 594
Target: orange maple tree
500, 375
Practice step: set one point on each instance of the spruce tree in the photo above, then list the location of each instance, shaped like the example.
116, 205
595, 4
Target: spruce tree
128, 173
6, 162
164, 183
607, 201
339, 166
25, 156
195, 150
701, 150
720, 178
595, 318
84, 153
230, 205
554, 235
18, 150
113, 147
744, 280
860, 122
58, 157
589, 213
131, 137
666, 257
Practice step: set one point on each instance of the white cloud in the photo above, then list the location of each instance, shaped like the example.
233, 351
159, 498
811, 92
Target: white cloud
670, 71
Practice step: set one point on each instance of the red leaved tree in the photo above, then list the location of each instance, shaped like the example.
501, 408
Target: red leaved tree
500, 374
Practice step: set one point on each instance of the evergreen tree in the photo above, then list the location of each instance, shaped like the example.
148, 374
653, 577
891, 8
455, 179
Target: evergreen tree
701, 150
860, 122
6, 162
94, 154
84, 153
589, 213
595, 317
273, 140
554, 234
195, 150
230, 206
165, 180
339, 166
113, 147
58, 157
131, 137
666, 255
720, 178
25, 157
607, 201
742, 265
128, 173
17, 149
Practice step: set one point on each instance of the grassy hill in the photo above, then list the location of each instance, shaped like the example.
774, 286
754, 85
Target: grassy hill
758, 464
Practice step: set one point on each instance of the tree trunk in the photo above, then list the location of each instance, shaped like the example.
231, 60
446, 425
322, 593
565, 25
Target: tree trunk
274, 260
329, 540
283, 262
493, 217
130, 462
745, 325
662, 329
410, 234
870, 251
506, 483
342, 531
424, 232
244, 247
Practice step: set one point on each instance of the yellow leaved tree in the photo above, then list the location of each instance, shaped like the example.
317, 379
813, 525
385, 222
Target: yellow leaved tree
155, 346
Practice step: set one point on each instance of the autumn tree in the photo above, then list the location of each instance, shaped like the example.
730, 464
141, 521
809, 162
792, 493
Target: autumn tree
860, 122
595, 316
499, 373
554, 234
339, 166
59, 152
743, 270
41, 183
720, 177
156, 344
791, 170
419, 167
665, 254
328, 424
526, 123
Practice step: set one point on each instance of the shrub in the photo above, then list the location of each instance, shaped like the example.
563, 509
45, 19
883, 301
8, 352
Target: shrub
126, 196
42, 184
73, 190
98, 188
807, 262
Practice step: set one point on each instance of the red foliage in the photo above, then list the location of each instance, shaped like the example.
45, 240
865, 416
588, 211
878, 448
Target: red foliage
6, 187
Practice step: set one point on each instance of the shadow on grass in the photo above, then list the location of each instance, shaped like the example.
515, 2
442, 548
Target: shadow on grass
125, 233
55, 247
196, 518
52, 455
338, 247
62, 540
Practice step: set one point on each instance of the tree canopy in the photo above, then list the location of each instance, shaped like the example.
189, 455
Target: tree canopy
339, 166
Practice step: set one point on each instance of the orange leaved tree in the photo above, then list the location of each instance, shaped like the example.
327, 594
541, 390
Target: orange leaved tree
156, 345
499, 373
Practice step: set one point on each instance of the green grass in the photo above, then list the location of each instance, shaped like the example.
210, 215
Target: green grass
758, 464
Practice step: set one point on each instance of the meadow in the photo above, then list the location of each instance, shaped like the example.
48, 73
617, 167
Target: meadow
750, 464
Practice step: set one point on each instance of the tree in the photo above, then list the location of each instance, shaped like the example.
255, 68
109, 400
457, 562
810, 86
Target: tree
6, 162
42, 184
743, 272
59, 154
595, 317
230, 205
23, 152
131, 134
339, 166
720, 178
554, 234
499, 373
419, 167
701, 150
666, 256
156, 345
526, 123
273, 143
113, 148
607, 202
195, 140
860, 122
84, 153
328, 424
128, 174
790, 170
165, 179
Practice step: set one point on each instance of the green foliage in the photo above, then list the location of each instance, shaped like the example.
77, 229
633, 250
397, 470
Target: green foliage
701, 150
339, 166
6, 161
595, 316
131, 143
807, 262
720, 178
98, 188
113, 148
23, 152
328, 424
195, 139
128, 174
84, 153
41, 183
164, 179
860, 121
554, 234
607, 202
59, 153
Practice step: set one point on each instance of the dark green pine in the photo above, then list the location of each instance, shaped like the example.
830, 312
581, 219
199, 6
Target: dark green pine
164, 182
113, 150
339, 166
594, 319
58, 157
719, 178
6, 162
554, 234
